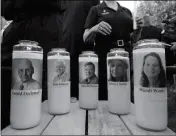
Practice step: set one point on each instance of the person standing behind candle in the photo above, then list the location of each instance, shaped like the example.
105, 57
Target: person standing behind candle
107, 24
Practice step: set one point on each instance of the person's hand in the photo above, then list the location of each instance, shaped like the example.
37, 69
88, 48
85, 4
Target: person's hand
103, 28
139, 22
173, 48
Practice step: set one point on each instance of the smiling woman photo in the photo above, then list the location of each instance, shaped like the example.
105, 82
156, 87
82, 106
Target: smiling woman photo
153, 74
118, 70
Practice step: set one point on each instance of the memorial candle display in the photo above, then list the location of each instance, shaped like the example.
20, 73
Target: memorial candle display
58, 81
88, 80
26, 89
150, 90
118, 74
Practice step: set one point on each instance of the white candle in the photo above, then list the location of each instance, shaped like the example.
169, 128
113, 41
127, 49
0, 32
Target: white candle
25, 108
59, 86
88, 93
150, 102
119, 92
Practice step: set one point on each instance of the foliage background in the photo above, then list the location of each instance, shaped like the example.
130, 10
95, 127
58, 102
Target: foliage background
157, 10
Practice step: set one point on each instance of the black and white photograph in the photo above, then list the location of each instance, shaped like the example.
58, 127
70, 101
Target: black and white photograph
62, 74
26, 74
88, 73
153, 72
100, 48
58, 70
118, 70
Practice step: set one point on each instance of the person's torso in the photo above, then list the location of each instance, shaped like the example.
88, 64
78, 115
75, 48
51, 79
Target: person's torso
120, 22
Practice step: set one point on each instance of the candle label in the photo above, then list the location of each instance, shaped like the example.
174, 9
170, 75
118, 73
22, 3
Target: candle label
88, 85
26, 92
26, 75
118, 83
154, 90
153, 94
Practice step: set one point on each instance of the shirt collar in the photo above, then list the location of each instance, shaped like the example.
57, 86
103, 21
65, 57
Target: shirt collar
104, 5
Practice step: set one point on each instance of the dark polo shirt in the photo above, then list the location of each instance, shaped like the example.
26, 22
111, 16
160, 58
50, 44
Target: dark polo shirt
120, 21
122, 25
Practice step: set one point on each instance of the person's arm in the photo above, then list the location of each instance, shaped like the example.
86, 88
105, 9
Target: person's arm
173, 47
90, 34
91, 28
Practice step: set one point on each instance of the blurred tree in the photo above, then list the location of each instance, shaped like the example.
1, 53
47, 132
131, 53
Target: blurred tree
158, 10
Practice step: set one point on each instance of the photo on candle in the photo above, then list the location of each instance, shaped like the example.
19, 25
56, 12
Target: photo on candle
153, 72
88, 72
118, 70
58, 70
26, 74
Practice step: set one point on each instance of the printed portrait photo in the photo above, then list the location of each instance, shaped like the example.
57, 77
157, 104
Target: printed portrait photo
153, 72
61, 72
88, 73
118, 70
27, 74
